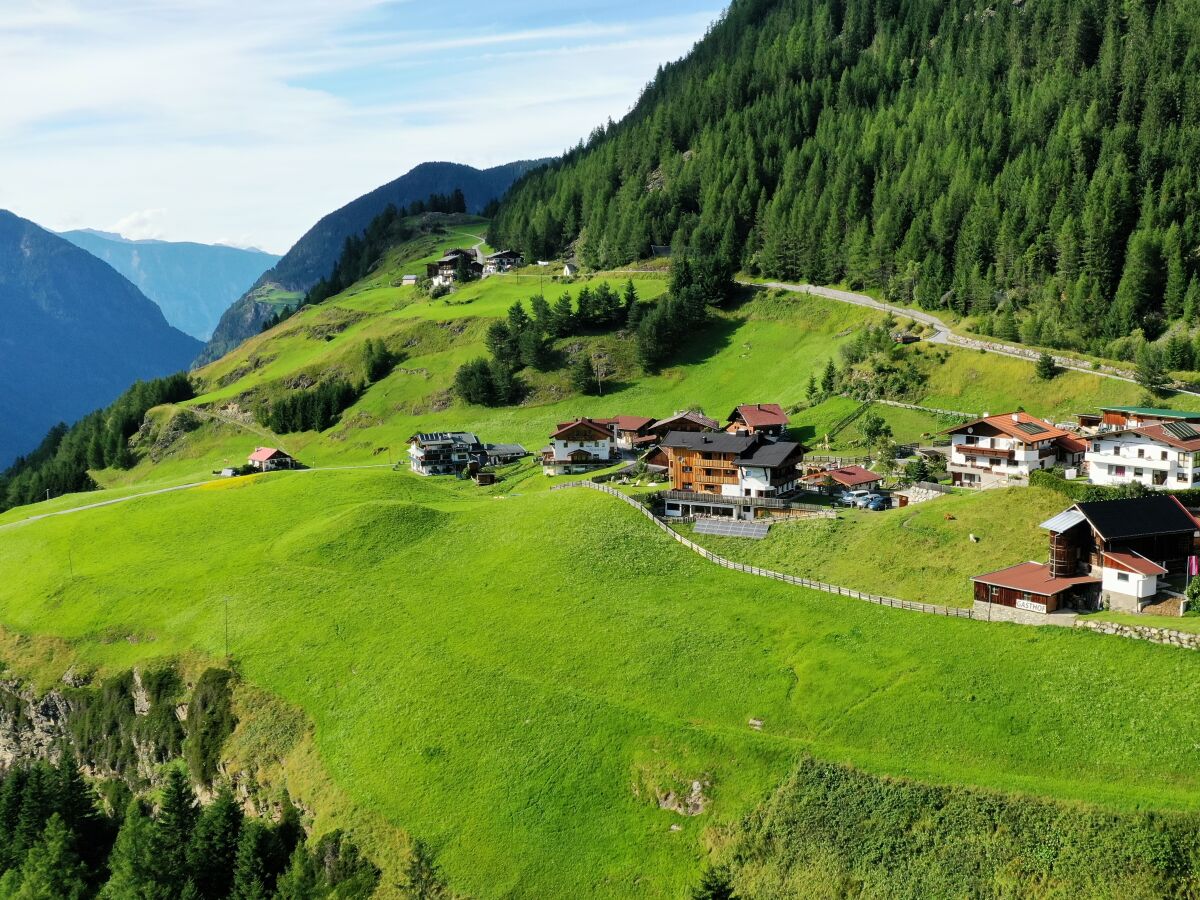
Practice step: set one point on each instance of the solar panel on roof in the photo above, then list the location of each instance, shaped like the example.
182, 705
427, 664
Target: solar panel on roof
1181, 430
733, 528
1031, 427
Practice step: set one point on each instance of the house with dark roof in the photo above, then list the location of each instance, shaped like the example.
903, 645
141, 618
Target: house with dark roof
268, 459
758, 418
580, 446
688, 420
1115, 554
446, 453
724, 474
446, 269
998, 451
502, 261
1159, 455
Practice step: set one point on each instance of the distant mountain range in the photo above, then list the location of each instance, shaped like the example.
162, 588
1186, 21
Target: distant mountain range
314, 255
75, 334
193, 284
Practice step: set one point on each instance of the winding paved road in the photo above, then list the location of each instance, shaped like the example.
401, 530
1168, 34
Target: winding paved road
942, 333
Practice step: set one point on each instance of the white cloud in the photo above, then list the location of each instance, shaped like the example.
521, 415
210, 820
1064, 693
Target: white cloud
145, 224
254, 119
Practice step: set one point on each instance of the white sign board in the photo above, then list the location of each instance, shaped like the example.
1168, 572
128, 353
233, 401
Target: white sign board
1030, 606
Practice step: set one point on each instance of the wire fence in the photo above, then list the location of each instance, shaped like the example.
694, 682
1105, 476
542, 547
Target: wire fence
824, 587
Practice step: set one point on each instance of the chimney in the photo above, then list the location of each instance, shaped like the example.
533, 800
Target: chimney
1016, 417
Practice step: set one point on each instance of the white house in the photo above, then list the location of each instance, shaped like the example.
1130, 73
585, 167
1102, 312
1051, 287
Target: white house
445, 452
496, 263
580, 446
1127, 579
1159, 456
268, 459
996, 451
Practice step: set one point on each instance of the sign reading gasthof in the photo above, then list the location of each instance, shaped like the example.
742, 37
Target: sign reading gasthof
1030, 606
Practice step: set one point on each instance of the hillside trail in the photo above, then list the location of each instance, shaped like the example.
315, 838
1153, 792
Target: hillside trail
169, 490
943, 334
478, 248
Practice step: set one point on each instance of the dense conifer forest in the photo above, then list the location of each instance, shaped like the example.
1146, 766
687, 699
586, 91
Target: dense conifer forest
1032, 164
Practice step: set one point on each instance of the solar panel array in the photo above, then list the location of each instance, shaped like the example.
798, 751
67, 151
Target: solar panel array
1031, 427
733, 528
1181, 430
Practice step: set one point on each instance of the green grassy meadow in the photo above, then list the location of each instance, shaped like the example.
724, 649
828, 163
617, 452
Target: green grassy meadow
921, 552
517, 676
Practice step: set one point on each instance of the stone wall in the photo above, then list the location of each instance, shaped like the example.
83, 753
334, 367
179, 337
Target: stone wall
996, 612
1144, 633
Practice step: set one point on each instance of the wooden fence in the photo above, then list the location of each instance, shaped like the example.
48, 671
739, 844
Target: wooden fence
824, 587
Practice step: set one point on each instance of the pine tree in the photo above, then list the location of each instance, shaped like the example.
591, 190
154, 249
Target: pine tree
715, 885
299, 880
132, 862
250, 874
213, 848
583, 373
1046, 367
829, 378
173, 827
52, 871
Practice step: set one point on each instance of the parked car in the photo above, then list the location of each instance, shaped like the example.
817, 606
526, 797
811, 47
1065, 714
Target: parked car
852, 498
879, 504
864, 502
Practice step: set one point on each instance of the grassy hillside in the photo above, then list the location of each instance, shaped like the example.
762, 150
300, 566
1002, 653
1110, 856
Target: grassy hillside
562, 706
922, 552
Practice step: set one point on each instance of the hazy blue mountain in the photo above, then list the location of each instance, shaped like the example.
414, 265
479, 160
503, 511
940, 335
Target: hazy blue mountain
193, 284
74, 333
314, 255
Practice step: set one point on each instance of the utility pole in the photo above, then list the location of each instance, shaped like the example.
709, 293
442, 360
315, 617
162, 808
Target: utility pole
47, 495
226, 629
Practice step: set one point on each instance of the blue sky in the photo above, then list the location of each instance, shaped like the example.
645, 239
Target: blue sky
244, 121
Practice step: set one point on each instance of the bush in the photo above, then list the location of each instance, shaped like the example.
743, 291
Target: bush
210, 721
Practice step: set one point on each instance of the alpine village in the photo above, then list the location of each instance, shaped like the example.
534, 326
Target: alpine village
791, 490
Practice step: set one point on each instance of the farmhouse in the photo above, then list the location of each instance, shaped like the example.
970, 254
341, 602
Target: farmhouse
408, 281
1118, 554
629, 430
445, 270
1001, 450
502, 261
726, 474
758, 418
268, 459
445, 452
1161, 455
850, 478
1121, 418
579, 446
688, 420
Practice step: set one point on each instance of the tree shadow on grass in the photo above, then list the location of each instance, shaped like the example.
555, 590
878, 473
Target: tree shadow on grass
703, 344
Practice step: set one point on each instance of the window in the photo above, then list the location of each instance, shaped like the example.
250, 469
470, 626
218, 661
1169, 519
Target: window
1138, 473
1141, 452
1122, 576
1164, 454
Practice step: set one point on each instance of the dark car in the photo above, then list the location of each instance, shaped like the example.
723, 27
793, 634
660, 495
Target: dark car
879, 504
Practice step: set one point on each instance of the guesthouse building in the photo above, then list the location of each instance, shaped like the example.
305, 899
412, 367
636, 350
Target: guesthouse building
997, 451
1162, 455
445, 453
731, 475
578, 447
269, 459
758, 418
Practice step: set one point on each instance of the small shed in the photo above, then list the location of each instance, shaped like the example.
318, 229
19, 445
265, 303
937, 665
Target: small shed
570, 270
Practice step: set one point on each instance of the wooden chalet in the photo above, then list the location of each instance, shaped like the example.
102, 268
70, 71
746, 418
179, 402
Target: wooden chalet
445, 270
579, 446
723, 474
758, 418
502, 261
631, 432
849, 478
1111, 553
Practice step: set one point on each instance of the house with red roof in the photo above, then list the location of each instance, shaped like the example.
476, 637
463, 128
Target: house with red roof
997, 451
1111, 554
580, 446
758, 418
268, 459
850, 478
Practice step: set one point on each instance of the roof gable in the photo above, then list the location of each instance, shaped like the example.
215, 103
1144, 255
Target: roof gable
581, 429
759, 415
1138, 517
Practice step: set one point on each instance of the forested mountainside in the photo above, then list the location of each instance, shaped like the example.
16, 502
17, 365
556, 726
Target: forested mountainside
1029, 157
315, 254
193, 284
76, 334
